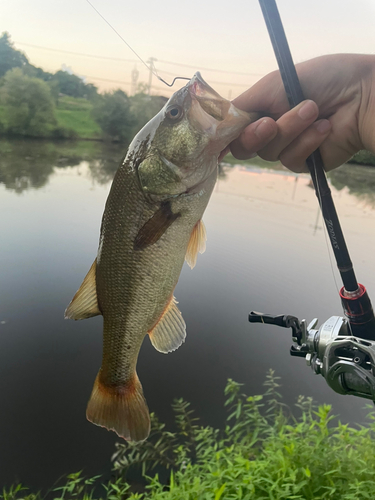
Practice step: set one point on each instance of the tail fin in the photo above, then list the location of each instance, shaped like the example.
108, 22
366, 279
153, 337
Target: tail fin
122, 409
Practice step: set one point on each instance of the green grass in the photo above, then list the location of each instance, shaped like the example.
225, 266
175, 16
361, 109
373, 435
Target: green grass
79, 121
263, 453
74, 103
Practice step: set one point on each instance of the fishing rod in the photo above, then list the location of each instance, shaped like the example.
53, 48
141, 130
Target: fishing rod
343, 348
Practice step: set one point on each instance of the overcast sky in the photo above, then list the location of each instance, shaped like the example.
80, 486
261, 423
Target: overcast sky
229, 36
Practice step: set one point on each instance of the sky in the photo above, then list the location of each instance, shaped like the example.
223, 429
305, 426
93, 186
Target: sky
226, 40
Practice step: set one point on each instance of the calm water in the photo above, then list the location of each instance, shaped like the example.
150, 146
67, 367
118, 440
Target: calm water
266, 251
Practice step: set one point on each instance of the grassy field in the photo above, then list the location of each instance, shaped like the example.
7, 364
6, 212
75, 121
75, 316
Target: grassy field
75, 114
73, 117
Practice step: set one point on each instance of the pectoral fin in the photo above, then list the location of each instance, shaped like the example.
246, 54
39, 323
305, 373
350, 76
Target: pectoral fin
170, 331
155, 227
85, 302
197, 243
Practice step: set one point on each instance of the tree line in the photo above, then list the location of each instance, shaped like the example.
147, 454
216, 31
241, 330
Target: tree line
29, 97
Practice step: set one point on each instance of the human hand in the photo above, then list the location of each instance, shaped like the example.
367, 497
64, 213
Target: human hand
341, 92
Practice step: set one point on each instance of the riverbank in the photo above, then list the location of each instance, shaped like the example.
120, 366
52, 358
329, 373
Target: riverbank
264, 453
74, 121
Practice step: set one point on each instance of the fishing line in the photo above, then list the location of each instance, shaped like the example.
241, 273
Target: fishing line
150, 68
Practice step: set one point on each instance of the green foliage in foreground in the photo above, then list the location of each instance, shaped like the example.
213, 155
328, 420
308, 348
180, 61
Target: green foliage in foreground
263, 453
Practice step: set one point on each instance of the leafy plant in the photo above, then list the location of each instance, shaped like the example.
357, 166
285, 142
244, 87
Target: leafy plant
263, 453
28, 105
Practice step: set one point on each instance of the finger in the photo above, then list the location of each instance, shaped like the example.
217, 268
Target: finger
290, 126
295, 155
253, 138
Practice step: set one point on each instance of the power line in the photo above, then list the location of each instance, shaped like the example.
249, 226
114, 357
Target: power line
106, 80
211, 69
76, 53
211, 81
134, 60
152, 86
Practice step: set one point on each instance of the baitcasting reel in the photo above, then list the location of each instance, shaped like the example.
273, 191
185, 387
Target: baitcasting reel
345, 361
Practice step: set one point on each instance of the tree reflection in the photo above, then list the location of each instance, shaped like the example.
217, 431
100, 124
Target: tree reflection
104, 166
28, 164
359, 180
25, 164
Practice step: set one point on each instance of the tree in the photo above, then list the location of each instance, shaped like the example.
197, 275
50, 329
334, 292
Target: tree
9, 56
112, 113
28, 104
35, 72
73, 85
143, 108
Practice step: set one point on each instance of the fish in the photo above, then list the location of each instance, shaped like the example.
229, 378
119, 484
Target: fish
151, 223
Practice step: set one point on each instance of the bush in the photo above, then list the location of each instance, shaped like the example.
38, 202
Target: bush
63, 133
264, 453
29, 109
112, 113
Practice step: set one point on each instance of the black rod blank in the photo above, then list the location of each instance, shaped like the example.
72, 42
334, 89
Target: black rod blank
314, 162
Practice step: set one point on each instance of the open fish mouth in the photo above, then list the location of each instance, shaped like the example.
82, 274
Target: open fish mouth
209, 100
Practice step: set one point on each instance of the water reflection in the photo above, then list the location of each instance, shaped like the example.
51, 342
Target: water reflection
265, 251
26, 164
359, 180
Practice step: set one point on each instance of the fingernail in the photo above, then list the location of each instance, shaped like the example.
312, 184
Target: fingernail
322, 126
307, 111
263, 130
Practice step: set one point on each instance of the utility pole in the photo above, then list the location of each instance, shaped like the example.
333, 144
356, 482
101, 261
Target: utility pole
134, 79
151, 65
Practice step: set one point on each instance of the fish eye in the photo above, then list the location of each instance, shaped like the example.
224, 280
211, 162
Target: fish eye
175, 113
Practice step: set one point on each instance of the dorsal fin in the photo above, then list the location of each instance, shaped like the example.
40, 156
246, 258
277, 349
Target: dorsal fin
85, 302
170, 331
197, 243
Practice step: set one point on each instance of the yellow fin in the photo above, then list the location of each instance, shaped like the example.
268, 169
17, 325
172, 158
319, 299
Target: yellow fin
197, 243
170, 331
85, 302
121, 408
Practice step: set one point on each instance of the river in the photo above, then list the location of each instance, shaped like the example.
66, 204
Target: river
266, 251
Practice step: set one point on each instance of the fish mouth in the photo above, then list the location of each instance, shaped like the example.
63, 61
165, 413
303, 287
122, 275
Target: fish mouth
216, 117
209, 100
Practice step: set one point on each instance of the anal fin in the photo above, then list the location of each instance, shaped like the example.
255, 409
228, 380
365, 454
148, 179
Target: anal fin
85, 302
170, 331
197, 243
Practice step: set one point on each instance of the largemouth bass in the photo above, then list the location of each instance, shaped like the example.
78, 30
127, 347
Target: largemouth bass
151, 224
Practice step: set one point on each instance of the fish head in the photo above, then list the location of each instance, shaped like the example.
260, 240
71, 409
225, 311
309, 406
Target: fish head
187, 136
